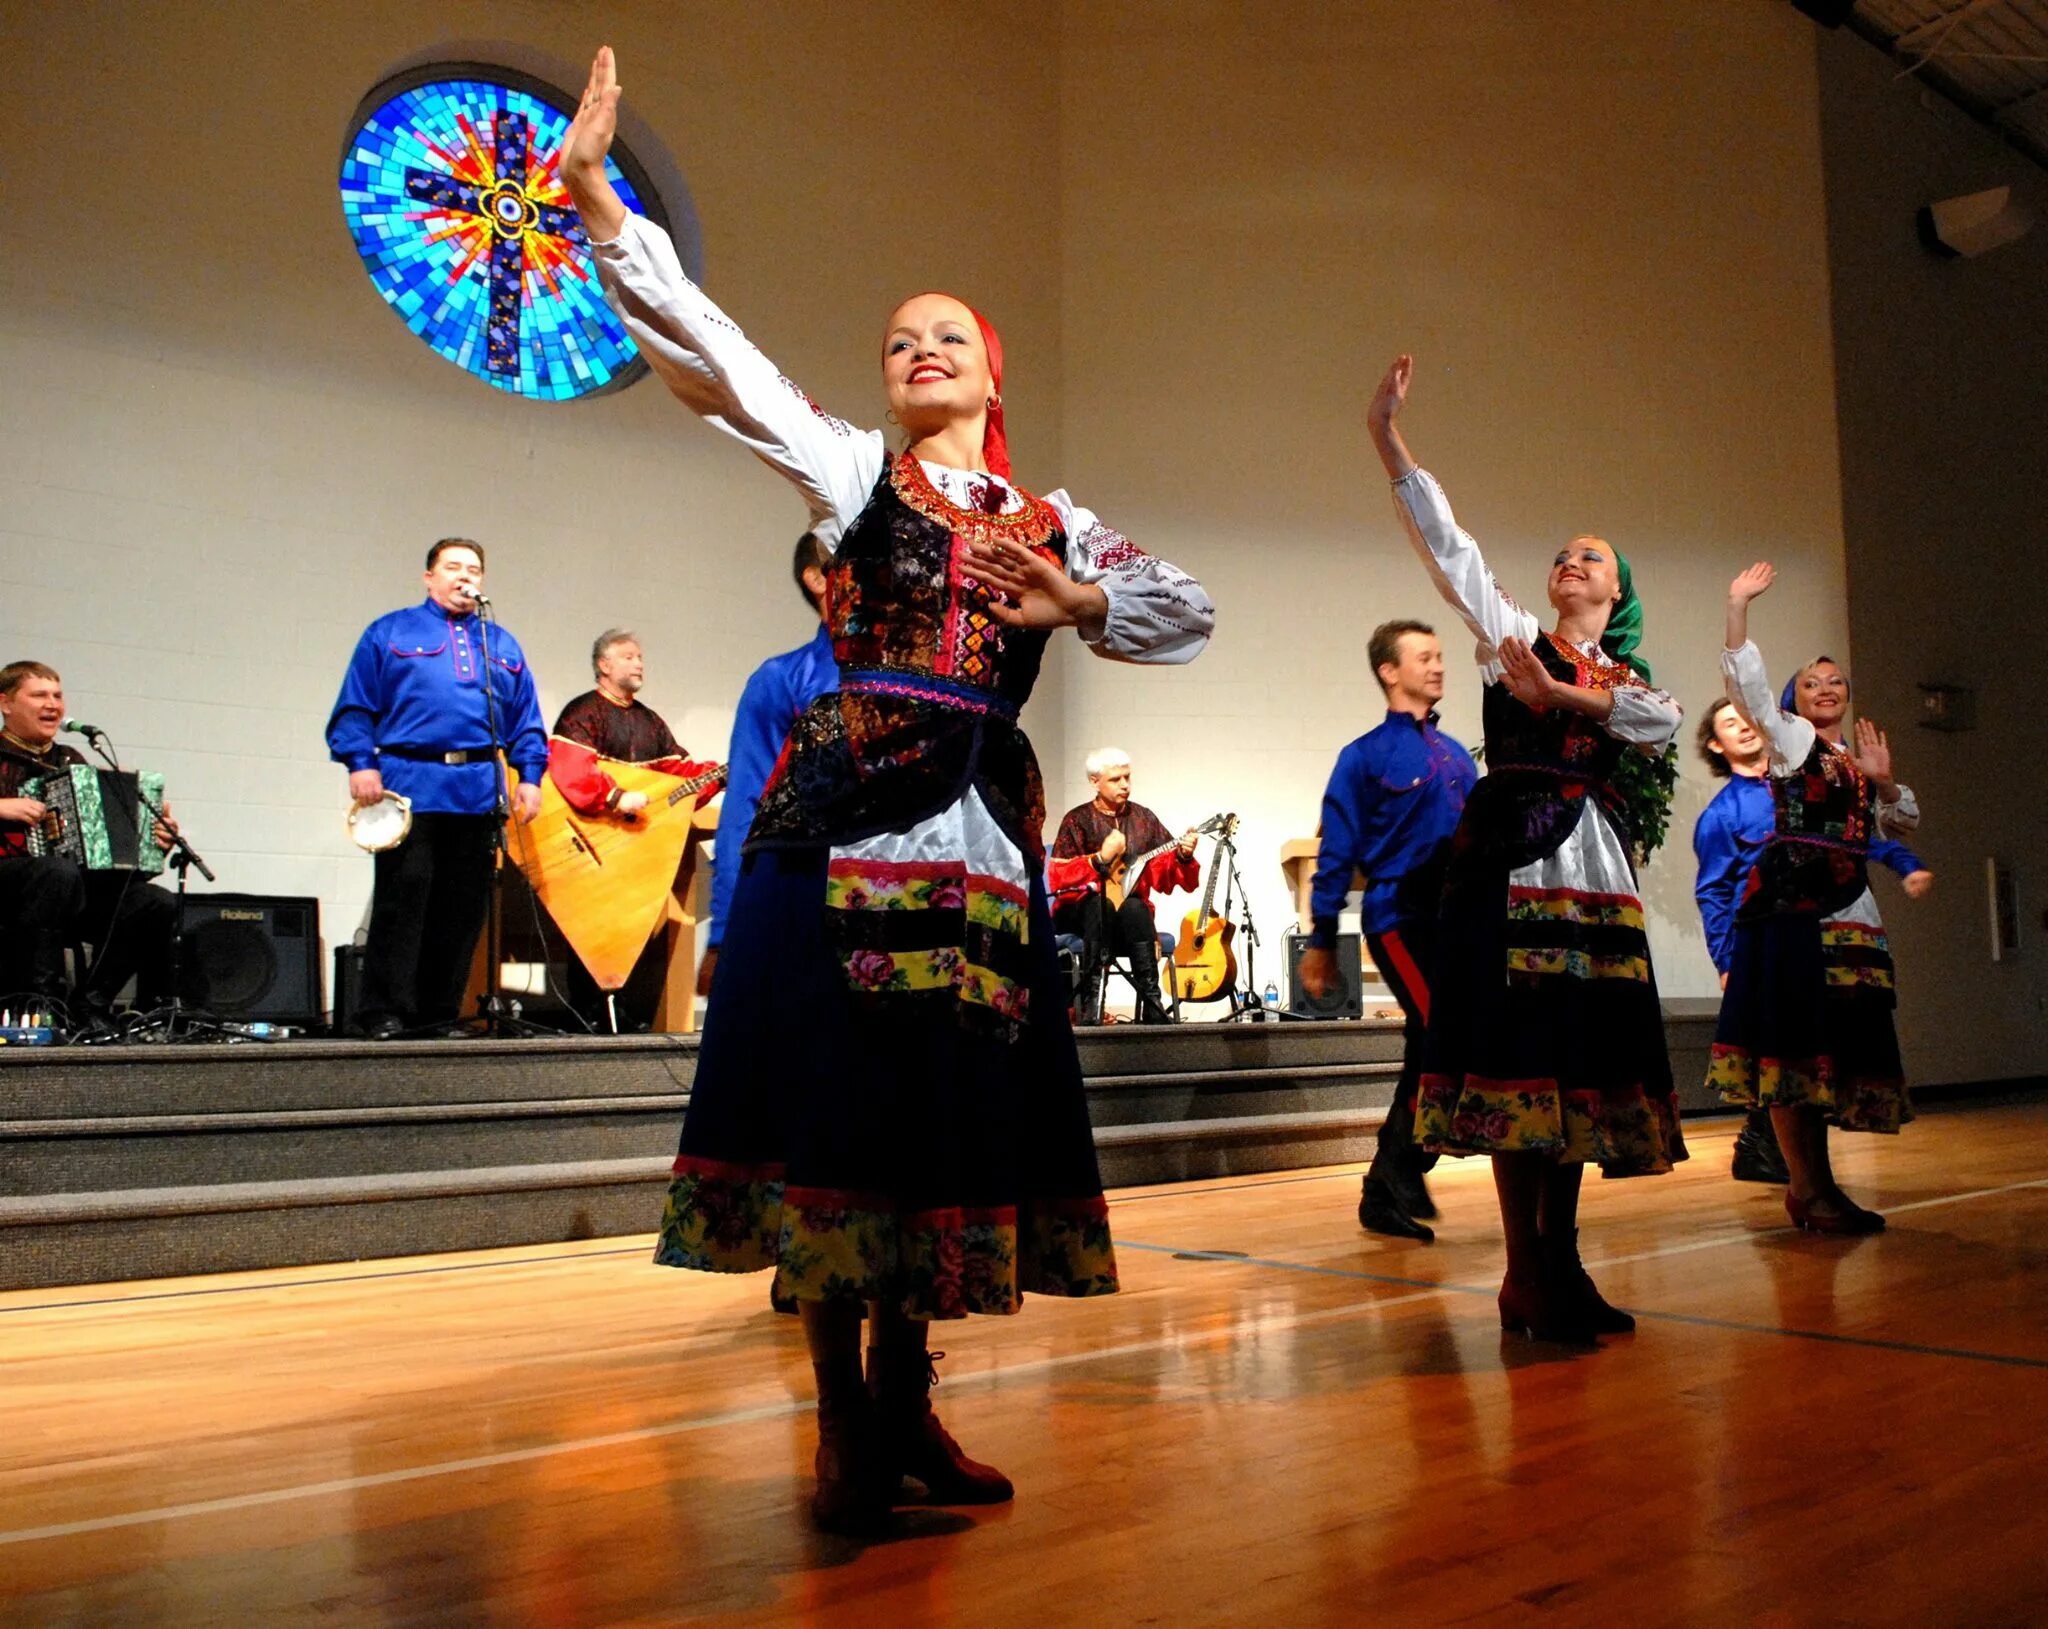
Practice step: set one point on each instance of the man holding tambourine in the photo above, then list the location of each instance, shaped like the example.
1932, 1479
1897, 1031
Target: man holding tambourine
414, 724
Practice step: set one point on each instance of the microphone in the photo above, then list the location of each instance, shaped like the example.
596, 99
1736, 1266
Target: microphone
73, 726
476, 597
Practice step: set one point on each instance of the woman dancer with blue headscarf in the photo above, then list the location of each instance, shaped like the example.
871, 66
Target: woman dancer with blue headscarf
1806, 1025
1546, 1042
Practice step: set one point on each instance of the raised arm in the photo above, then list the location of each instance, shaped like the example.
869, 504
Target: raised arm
701, 355
1789, 737
1448, 553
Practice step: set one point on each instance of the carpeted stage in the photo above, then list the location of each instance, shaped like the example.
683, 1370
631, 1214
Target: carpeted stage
150, 1161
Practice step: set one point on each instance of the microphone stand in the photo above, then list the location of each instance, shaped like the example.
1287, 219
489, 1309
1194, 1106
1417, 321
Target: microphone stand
181, 856
1242, 1006
500, 1013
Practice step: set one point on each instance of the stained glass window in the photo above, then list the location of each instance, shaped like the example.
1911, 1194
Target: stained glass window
449, 187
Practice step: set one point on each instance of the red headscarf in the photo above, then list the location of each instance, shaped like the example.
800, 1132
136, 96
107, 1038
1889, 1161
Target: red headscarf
995, 445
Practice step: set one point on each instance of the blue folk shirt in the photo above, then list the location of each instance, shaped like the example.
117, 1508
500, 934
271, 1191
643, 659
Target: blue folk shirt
779, 689
414, 683
1731, 832
1392, 803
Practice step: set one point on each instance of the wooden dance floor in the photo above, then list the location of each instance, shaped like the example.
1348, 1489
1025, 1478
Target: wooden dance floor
1280, 1420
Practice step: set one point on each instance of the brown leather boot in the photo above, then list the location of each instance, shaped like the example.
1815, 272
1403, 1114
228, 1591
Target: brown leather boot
914, 1443
849, 1497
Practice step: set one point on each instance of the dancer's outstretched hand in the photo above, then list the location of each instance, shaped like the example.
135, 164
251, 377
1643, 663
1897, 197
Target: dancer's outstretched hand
1392, 395
1040, 595
1873, 752
1917, 883
597, 118
1753, 582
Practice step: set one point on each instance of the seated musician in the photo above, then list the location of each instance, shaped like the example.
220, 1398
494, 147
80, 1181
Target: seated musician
1112, 832
612, 722
47, 901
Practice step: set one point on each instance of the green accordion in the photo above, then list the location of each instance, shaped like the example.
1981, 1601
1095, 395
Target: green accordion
97, 817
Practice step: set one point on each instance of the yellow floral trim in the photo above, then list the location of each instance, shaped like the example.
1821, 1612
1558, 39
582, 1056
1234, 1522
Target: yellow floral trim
1629, 1136
1866, 1103
1587, 910
1577, 964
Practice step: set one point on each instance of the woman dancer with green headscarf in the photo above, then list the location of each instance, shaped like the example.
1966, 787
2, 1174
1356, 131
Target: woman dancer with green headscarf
1546, 1043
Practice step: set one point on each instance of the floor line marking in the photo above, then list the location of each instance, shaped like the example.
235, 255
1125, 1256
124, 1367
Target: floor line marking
1418, 1291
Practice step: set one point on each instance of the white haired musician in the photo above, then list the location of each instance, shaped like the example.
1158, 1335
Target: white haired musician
47, 900
1135, 857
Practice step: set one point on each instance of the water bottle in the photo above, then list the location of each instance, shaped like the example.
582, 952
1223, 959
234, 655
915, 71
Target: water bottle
1271, 999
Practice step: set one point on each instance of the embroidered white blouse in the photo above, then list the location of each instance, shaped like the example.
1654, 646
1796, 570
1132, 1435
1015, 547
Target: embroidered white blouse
1594, 858
1789, 738
1157, 613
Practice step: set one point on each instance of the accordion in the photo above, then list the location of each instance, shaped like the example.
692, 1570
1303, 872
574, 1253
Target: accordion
97, 818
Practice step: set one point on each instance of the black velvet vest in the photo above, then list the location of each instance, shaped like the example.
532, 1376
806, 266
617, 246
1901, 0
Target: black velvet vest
1816, 859
929, 683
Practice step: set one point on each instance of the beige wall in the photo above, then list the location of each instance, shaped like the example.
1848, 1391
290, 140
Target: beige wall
1944, 395
1211, 226
1603, 241
220, 454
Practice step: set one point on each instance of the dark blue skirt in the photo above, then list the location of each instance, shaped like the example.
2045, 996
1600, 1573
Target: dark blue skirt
875, 1148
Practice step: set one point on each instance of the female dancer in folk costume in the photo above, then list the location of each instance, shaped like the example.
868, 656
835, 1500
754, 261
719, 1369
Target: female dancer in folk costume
888, 1106
1806, 1023
1546, 1042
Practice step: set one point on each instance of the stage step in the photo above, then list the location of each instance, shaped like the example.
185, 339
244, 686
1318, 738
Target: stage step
135, 1162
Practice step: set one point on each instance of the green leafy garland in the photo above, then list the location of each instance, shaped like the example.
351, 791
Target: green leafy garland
1646, 785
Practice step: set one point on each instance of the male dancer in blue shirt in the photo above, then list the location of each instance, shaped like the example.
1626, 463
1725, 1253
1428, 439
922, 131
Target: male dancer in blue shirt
413, 718
777, 692
1731, 832
1393, 801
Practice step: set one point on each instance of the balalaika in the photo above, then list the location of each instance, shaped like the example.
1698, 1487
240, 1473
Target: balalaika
97, 818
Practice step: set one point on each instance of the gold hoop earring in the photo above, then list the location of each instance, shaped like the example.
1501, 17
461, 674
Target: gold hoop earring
890, 415
995, 403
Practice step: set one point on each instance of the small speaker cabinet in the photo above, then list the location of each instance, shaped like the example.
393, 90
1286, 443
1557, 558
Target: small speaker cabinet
1346, 998
253, 957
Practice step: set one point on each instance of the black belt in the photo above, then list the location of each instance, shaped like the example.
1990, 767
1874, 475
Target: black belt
427, 755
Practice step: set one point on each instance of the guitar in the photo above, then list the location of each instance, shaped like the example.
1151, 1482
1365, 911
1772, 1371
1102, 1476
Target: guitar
606, 878
1116, 881
1204, 964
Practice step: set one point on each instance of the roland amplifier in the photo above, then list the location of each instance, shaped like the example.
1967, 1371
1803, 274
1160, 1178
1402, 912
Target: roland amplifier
252, 958
1345, 999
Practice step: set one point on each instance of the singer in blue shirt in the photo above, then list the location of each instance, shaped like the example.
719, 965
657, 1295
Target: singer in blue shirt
1392, 803
1731, 832
414, 720
777, 691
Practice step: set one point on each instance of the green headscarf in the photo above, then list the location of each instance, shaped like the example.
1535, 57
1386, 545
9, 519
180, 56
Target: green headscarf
1625, 622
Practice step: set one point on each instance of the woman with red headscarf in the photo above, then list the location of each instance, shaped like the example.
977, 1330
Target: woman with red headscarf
888, 1106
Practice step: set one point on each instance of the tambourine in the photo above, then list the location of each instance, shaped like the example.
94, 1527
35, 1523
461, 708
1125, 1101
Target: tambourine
380, 825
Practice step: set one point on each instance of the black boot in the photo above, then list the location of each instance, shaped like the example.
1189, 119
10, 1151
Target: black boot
1399, 1161
1145, 974
1758, 1157
1088, 996
1379, 1211
1588, 1306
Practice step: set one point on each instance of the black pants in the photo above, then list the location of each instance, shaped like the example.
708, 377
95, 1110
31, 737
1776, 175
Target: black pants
431, 897
635, 1001
1402, 954
45, 903
1106, 932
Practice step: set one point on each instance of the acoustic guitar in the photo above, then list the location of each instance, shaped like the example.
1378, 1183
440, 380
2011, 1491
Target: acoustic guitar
605, 878
1204, 964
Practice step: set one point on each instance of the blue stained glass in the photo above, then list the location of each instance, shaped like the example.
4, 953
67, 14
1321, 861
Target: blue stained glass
451, 198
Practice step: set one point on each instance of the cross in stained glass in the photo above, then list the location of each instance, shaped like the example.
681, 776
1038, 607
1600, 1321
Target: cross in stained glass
501, 204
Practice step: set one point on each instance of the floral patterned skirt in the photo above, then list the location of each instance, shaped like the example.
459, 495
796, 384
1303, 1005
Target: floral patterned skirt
881, 1149
1545, 1034
1807, 1019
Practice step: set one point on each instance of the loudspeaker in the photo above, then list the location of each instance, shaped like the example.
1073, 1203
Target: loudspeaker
1346, 999
253, 957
